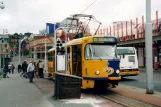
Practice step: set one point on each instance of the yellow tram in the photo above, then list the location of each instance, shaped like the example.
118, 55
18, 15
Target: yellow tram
93, 58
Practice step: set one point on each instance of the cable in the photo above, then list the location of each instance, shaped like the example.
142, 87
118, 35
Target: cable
88, 6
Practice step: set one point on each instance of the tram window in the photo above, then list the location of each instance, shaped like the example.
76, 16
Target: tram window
76, 61
50, 56
76, 52
68, 53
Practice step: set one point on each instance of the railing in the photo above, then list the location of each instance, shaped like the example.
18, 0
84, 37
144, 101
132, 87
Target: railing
130, 30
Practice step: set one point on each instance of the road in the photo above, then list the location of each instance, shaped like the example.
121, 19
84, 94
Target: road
140, 80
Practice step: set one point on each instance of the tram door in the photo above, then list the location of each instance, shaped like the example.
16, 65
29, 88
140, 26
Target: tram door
76, 60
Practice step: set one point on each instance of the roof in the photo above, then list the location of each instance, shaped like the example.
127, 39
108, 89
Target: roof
81, 40
52, 49
4, 36
78, 41
82, 15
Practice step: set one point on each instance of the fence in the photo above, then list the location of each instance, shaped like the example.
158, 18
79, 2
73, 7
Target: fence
130, 30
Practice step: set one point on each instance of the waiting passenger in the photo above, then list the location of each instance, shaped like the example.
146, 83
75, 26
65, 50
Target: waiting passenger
30, 70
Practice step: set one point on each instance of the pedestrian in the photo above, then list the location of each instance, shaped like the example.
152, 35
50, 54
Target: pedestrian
24, 68
38, 68
12, 68
30, 70
9, 68
5, 71
41, 69
19, 68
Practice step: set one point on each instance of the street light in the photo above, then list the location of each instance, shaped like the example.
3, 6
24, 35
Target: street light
2, 5
20, 36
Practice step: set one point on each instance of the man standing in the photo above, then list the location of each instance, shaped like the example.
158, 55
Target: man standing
9, 68
19, 68
5, 70
30, 70
12, 68
24, 68
41, 68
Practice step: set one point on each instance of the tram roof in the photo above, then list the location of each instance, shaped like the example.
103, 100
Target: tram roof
52, 49
78, 41
81, 40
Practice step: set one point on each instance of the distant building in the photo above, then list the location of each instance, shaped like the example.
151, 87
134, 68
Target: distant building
4, 49
42, 32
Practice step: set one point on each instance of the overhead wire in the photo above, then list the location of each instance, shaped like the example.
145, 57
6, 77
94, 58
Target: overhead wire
88, 6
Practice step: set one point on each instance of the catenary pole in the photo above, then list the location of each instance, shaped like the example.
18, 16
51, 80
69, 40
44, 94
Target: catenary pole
148, 44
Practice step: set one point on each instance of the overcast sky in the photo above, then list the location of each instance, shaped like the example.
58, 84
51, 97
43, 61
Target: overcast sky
31, 15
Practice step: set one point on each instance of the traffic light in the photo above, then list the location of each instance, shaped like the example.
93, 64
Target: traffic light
59, 46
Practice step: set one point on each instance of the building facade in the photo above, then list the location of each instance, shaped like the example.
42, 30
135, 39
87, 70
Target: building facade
5, 49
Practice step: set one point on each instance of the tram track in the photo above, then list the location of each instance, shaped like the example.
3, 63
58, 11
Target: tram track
125, 101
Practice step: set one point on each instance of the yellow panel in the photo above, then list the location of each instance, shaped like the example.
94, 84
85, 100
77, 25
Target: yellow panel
90, 67
129, 73
87, 84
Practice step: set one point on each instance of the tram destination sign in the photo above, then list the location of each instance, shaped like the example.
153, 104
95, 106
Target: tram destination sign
103, 39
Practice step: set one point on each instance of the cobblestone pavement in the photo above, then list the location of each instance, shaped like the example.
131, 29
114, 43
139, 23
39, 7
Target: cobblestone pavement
95, 100
86, 100
18, 92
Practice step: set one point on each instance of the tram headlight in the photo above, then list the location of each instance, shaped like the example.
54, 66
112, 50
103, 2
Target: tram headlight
97, 72
117, 71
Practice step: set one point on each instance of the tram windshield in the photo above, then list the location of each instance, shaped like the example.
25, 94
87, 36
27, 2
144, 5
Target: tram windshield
100, 51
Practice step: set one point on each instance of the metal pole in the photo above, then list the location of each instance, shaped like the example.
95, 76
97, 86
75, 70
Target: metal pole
3, 59
22, 51
45, 54
34, 51
0, 53
19, 51
66, 63
148, 42
0, 62
55, 43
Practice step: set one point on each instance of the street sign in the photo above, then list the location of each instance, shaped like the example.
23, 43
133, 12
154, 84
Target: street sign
50, 28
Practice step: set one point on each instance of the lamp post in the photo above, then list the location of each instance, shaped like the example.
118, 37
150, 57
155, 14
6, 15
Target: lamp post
45, 54
2, 7
20, 48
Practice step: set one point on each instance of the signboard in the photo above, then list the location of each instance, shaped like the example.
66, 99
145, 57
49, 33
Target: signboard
60, 63
40, 41
50, 28
103, 39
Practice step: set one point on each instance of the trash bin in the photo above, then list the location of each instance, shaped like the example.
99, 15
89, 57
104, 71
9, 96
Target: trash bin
67, 86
